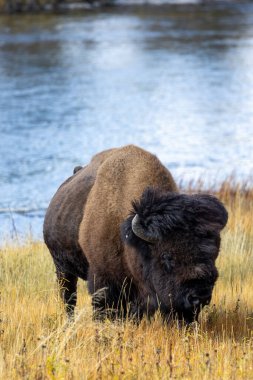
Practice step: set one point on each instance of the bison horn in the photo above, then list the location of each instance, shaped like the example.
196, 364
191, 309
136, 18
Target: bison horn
139, 230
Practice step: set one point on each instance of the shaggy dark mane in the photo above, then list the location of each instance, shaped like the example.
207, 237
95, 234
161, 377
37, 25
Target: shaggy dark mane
161, 213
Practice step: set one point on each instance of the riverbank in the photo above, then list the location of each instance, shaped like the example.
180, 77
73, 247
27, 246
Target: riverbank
35, 6
62, 6
37, 343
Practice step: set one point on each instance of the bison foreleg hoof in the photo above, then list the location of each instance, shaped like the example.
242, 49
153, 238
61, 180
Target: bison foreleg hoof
105, 307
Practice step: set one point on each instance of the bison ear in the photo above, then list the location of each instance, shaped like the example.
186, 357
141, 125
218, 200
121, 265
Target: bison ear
210, 213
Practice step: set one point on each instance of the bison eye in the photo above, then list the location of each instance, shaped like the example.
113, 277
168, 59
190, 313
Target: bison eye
168, 261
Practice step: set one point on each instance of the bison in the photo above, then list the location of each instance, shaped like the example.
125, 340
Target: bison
121, 224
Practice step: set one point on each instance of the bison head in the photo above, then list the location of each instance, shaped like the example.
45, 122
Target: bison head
171, 243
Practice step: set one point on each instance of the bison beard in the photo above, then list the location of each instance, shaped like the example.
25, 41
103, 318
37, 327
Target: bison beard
161, 255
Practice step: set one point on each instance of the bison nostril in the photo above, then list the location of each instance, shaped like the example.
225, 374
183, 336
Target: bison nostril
193, 300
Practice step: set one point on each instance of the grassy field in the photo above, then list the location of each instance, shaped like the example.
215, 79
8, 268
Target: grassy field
36, 342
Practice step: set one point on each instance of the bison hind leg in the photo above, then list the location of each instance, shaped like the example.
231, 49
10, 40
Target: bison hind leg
68, 284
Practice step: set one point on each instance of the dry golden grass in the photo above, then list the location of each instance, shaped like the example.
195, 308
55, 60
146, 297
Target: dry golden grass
37, 342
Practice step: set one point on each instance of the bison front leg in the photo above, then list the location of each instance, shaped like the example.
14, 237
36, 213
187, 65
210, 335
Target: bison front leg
109, 300
67, 283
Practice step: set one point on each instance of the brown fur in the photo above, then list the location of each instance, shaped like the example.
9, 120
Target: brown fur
61, 226
65, 210
122, 178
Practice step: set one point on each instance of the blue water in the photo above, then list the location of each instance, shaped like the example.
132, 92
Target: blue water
174, 79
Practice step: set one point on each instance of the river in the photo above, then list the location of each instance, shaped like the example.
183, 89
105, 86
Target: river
176, 79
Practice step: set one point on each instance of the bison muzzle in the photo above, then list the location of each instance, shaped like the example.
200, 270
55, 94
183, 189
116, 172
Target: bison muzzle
121, 224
